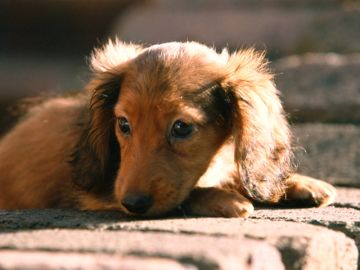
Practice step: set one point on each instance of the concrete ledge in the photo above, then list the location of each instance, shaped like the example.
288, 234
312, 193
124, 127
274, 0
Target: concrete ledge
14, 260
199, 251
226, 244
273, 238
329, 152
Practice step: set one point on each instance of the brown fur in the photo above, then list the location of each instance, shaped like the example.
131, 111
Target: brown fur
69, 152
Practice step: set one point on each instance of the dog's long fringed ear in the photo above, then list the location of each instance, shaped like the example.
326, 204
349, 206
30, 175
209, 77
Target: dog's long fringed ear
96, 156
97, 153
261, 133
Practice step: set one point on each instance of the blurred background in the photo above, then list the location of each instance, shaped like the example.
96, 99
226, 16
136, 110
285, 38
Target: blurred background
313, 45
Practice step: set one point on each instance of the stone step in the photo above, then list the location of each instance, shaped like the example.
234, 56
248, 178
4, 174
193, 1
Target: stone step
272, 238
47, 260
179, 249
279, 27
329, 152
320, 87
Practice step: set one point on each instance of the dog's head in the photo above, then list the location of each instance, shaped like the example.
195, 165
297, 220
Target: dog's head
166, 110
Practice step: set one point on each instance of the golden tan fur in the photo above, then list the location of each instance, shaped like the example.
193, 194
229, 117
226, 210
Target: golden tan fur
72, 152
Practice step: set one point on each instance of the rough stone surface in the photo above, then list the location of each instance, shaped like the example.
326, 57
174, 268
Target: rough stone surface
46, 260
320, 87
329, 152
343, 216
271, 238
348, 197
225, 243
225, 252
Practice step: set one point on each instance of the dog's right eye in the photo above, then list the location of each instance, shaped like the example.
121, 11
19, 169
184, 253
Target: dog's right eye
181, 130
124, 125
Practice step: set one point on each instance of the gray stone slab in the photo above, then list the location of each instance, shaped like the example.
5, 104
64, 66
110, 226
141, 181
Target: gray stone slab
302, 246
346, 210
45, 260
348, 197
227, 243
198, 251
320, 87
298, 243
281, 31
329, 152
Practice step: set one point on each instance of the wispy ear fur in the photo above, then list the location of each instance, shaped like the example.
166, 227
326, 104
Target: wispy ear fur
261, 133
113, 54
97, 155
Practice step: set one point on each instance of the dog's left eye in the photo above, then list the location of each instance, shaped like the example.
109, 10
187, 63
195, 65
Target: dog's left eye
124, 125
181, 129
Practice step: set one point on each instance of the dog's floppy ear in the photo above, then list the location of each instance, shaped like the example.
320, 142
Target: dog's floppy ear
97, 155
260, 130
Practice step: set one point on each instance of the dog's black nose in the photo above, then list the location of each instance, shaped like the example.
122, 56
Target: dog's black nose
137, 204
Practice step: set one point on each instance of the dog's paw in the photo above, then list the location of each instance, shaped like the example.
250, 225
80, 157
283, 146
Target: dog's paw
215, 202
310, 191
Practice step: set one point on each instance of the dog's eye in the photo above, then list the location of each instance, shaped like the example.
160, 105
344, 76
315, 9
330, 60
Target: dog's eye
181, 129
124, 125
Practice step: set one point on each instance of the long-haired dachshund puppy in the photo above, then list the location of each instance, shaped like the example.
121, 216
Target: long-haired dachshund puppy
175, 124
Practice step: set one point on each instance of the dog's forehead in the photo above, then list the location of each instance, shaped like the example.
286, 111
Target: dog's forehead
175, 66
173, 51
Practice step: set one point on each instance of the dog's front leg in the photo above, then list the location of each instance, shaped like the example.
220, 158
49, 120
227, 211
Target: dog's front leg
216, 202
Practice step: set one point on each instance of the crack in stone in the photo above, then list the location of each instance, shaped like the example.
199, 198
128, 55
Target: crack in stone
183, 232
346, 205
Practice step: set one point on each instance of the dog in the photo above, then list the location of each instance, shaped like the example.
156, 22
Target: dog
157, 128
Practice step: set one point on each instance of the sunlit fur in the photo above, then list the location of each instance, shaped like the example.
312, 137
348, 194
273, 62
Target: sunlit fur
69, 152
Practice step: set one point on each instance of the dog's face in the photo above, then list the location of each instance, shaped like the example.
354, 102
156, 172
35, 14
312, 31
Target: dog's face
171, 118
162, 113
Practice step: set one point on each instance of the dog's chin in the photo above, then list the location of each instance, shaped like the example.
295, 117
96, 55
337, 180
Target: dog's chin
157, 211
151, 213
